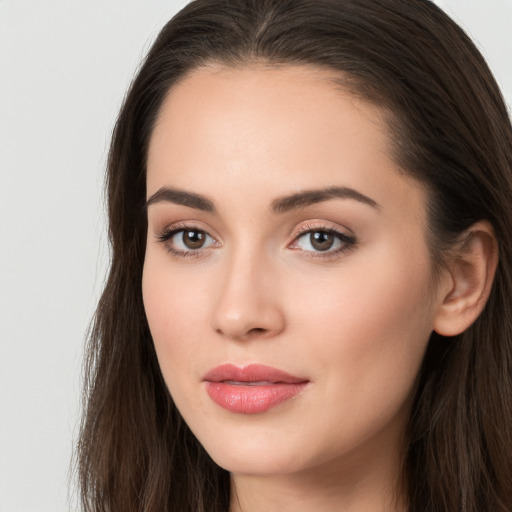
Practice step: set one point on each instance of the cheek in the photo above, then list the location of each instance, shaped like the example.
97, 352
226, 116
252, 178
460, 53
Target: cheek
173, 306
368, 328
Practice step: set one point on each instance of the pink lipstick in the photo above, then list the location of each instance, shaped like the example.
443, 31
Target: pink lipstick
251, 389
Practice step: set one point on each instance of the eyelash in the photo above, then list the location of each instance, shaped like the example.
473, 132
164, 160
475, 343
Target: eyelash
348, 241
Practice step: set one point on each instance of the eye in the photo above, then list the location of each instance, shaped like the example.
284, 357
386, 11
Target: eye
186, 241
191, 239
320, 240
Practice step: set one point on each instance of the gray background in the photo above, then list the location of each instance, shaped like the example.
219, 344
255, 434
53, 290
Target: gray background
64, 67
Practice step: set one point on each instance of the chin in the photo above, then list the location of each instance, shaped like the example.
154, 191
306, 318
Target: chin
254, 451
257, 462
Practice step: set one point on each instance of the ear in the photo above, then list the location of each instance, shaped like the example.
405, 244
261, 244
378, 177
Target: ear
468, 281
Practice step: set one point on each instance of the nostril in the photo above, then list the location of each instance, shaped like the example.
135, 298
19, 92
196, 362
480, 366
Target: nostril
256, 330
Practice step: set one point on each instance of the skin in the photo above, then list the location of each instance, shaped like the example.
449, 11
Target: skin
355, 322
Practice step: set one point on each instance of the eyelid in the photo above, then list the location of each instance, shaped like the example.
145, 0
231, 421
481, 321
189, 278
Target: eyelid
323, 225
191, 225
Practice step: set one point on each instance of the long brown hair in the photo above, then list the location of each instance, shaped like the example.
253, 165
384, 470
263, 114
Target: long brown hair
451, 131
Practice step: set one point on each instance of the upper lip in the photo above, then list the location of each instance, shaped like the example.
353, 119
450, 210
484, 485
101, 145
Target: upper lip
251, 373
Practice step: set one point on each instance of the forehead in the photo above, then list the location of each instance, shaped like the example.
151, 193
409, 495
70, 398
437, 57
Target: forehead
244, 113
296, 91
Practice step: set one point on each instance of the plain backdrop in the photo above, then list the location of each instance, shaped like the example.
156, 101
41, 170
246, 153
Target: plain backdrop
64, 68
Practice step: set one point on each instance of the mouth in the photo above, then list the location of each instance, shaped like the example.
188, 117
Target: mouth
251, 389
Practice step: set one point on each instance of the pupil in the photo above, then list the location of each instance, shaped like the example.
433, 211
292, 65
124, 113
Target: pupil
193, 239
321, 240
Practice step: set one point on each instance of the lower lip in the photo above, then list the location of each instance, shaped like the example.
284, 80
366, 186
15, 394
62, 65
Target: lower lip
244, 399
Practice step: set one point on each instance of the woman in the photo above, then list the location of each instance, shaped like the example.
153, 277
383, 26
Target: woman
308, 306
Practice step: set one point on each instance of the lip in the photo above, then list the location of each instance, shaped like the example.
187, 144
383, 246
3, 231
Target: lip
251, 389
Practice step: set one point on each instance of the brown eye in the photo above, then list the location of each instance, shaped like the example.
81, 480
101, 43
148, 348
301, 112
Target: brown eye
321, 240
328, 241
194, 239
187, 241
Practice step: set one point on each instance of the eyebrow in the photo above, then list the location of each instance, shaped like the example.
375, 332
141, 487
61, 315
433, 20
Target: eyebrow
309, 197
172, 195
280, 205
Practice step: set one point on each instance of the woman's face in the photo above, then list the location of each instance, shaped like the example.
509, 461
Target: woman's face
287, 280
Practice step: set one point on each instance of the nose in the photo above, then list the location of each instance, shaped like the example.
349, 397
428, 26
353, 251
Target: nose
248, 304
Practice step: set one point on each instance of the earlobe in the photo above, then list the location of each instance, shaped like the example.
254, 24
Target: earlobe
469, 280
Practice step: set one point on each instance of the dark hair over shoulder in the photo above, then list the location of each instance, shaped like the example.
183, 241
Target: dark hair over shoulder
451, 131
